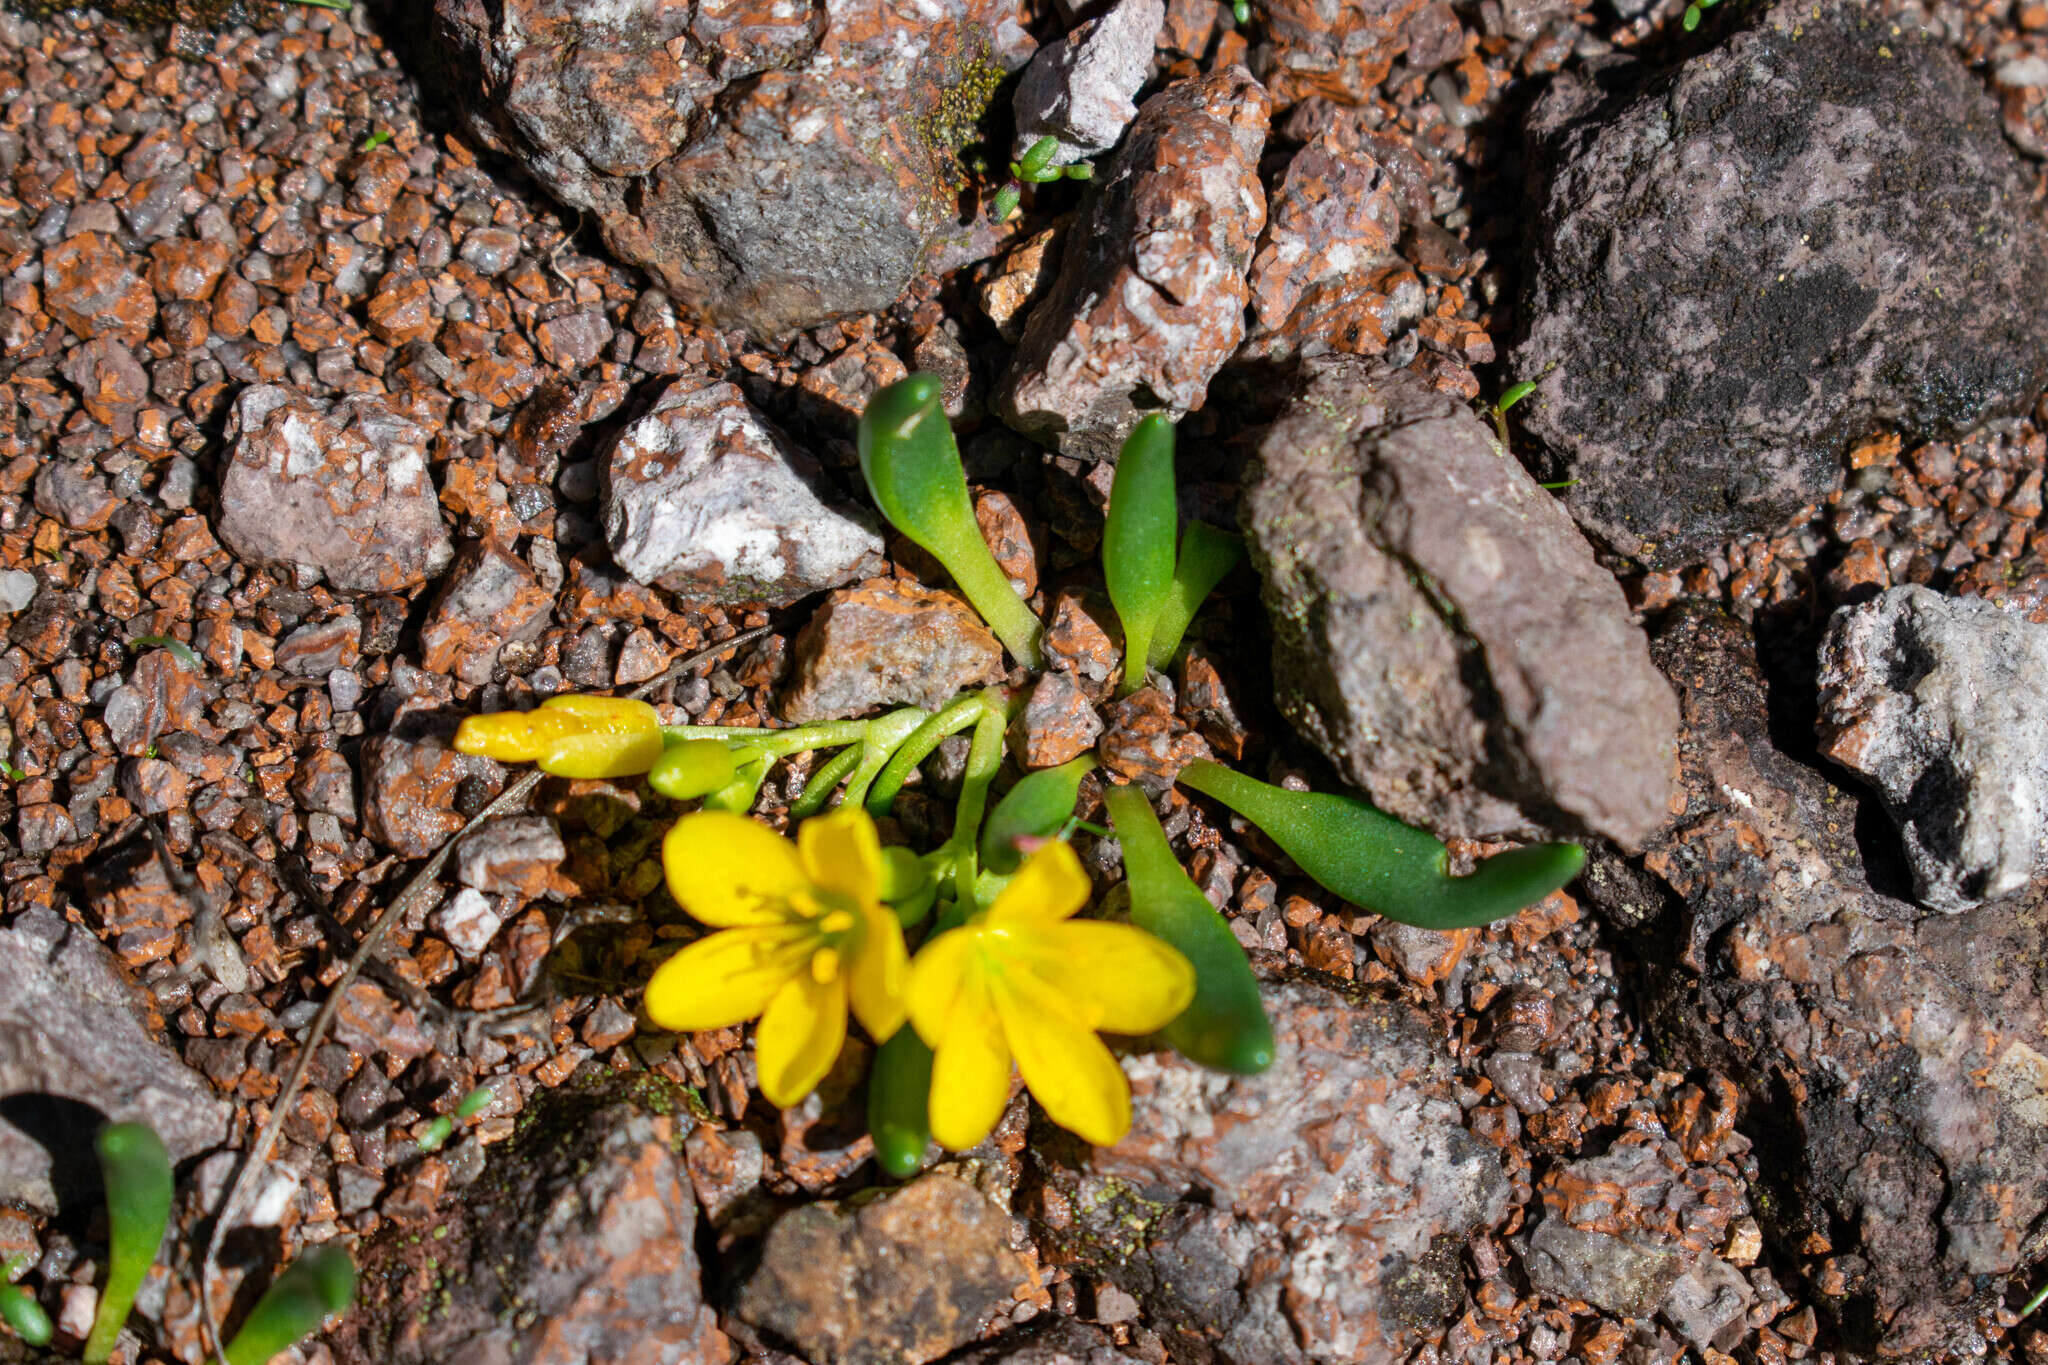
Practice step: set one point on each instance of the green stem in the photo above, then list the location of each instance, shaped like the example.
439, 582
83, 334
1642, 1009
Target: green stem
137, 1170
983, 760
1225, 1025
818, 790
885, 735
2034, 1304
778, 743
1373, 860
955, 716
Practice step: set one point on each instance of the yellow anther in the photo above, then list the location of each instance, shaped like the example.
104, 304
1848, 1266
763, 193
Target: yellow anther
825, 966
838, 922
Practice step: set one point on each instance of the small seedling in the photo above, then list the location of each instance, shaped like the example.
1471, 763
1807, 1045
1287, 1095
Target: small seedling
913, 471
19, 1309
312, 1289
1511, 395
375, 140
1035, 168
2033, 1305
1241, 10
137, 1171
1693, 12
178, 650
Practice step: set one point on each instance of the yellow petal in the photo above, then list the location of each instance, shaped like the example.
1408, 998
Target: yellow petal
725, 869
878, 974
1068, 1070
970, 1073
725, 979
799, 1038
1114, 977
843, 854
938, 975
603, 754
1049, 886
513, 736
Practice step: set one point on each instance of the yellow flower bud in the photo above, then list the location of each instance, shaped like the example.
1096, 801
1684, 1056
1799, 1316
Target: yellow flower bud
570, 736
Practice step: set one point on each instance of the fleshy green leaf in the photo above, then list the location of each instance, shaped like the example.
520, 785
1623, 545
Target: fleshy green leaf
899, 1097
1035, 808
1206, 555
20, 1311
137, 1171
913, 471
692, 768
1225, 1025
1373, 860
1513, 394
312, 1289
1138, 540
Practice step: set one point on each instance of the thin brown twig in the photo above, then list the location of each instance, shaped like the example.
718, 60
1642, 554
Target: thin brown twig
259, 1153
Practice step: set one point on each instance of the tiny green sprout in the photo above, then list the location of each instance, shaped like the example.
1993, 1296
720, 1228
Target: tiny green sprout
178, 649
341, 6
375, 140
913, 472
1693, 12
1035, 166
436, 1134
1005, 202
1079, 170
1513, 394
14, 774
1037, 808
1374, 861
137, 1171
1241, 10
1225, 1025
1556, 484
2033, 1305
19, 1309
1138, 539
475, 1102
311, 1290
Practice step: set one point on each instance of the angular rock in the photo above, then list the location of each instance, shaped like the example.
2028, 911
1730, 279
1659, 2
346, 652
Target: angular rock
575, 1247
514, 855
491, 600
342, 488
1441, 630
903, 1278
1062, 1341
1057, 723
887, 642
705, 497
78, 1047
96, 289
1340, 49
1729, 280
1938, 702
1151, 291
1079, 89
74, 495
313, 651
409, 787
111, 384
1315, 1213
772, 165
1890, 1060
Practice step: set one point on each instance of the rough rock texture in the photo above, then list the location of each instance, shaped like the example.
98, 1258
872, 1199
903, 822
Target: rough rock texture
514, 855
78, 1048
772, 164
1316, 1212
1151, 291
896, 1280
574, 1248
705, 497
1340, 49
885, 642
410, 778
1740, 265
1441, 630
1939, 702
341, 488
1079, 89
1891, 1061
1063, 1342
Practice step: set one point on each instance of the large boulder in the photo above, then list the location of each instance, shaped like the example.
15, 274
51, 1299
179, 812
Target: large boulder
1891, 1061
772, 164
1440, 628
1738, 265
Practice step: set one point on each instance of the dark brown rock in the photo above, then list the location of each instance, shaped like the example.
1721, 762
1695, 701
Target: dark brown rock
1149, 301
1441, 630
886, 642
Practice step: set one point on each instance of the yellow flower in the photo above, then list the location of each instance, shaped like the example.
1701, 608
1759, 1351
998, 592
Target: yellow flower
803, 935
1027, 982
570, 736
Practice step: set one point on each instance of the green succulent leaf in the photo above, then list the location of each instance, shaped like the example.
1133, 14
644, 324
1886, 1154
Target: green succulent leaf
312, 1289
954, 717
913, 471
1035, 808
1225, 1026
20, 1311
749, 769
1374, 861
1138, 540
1206, 555
137, 1171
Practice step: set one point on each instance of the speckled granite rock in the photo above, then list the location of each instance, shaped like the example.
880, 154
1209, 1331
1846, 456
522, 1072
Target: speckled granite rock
1939, 703
1310, 1214
1891, 1061
1739, 265
704, 496
772, 164
1441, 630
1150, 296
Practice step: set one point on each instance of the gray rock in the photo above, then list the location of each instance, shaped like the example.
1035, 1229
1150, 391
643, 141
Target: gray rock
341, 488
1441, 630
1709, 1304
575, 1247
772, 164
705, 497
884, 643
1313, 1213
515, 855
1063, 1341
315, 650
468, 921
1620, 1274
905, 1277
1150, 297
1939, 703
1079, 89
491, 599
17, 590
1890, 1060
1739, 265
77, 1048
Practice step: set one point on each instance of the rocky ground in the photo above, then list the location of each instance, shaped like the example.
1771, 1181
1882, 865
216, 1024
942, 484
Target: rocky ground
339, 399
